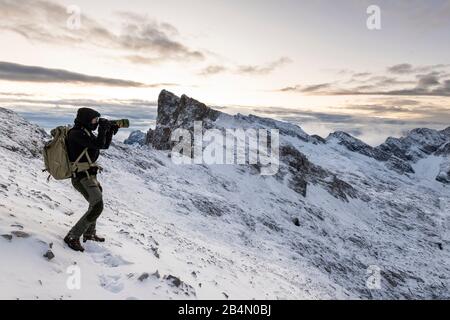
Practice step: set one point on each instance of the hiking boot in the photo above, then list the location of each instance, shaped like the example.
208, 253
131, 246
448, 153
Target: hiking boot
93, 237
73, 243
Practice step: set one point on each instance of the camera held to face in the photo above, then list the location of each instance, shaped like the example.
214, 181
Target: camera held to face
122, 123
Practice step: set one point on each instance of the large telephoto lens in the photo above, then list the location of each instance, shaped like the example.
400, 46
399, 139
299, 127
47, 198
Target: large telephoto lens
122, 123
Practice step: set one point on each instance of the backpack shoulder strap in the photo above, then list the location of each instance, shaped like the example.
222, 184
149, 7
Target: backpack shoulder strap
81, 156
88, 158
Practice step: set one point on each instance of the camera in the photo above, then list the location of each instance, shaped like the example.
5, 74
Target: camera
122, 123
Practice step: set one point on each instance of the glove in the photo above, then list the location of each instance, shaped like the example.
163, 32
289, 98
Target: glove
105, 125
114, 129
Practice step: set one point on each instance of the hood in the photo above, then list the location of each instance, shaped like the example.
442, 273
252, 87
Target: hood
85, 116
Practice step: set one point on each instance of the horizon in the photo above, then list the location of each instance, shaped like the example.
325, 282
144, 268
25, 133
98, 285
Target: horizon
314, 64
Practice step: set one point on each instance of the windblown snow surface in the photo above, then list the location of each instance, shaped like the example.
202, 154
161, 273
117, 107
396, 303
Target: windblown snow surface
221, 231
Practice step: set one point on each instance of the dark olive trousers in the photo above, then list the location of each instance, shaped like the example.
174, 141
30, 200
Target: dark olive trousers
91, 190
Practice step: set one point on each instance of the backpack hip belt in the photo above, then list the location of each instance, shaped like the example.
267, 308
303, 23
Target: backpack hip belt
78, 167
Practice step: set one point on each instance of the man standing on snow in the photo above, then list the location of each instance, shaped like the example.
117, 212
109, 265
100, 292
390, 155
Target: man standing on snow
79, 139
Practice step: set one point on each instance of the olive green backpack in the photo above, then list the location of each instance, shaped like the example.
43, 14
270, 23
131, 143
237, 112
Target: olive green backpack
56, 158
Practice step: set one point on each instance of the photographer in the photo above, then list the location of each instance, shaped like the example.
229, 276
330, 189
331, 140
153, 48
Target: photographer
83, 149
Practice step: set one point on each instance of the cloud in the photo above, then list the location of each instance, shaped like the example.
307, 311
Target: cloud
402, 102
18, 72
406, 68
246, 69
361, 74
111, 104
307, 89
401, 68
263, 69
213, 69
146, 40
432, 83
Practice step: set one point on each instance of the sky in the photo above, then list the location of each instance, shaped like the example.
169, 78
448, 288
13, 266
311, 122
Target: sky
314, 63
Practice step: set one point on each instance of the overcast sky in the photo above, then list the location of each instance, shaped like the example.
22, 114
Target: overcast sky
315, 63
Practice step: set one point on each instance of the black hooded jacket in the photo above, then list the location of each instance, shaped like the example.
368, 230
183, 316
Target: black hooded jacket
78, 139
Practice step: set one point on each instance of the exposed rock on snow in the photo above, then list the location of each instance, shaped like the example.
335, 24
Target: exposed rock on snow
143, 276
444, 169
356, 145
174, 281
399, 165
444, 172
173, 113
20, 234
136, 137
49, 255
303, 171
444, 150
418, 144
7, 236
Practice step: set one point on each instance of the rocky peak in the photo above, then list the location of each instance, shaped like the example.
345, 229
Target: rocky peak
446, 132
175, 112
284, 128
181, 112
353, 144
418, 144
356, 145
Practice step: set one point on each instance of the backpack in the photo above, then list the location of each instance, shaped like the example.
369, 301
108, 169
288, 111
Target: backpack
56, 157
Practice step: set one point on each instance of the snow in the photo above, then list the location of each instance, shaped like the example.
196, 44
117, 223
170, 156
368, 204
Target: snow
428, 168
221, 229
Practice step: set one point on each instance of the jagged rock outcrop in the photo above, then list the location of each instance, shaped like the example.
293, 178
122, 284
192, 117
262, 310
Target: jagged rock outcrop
356, 145
284, 128
444, 173
418, 144
444, 150
303, 172
181, 112
446, 132
136, 137
398, 165
353, 144
175, 112
31, 139
400, 153
444, 169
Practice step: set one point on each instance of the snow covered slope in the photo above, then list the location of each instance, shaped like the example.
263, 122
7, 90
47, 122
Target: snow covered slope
312, 231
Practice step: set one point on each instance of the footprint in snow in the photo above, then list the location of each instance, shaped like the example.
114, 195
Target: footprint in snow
111, 283
103, 256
